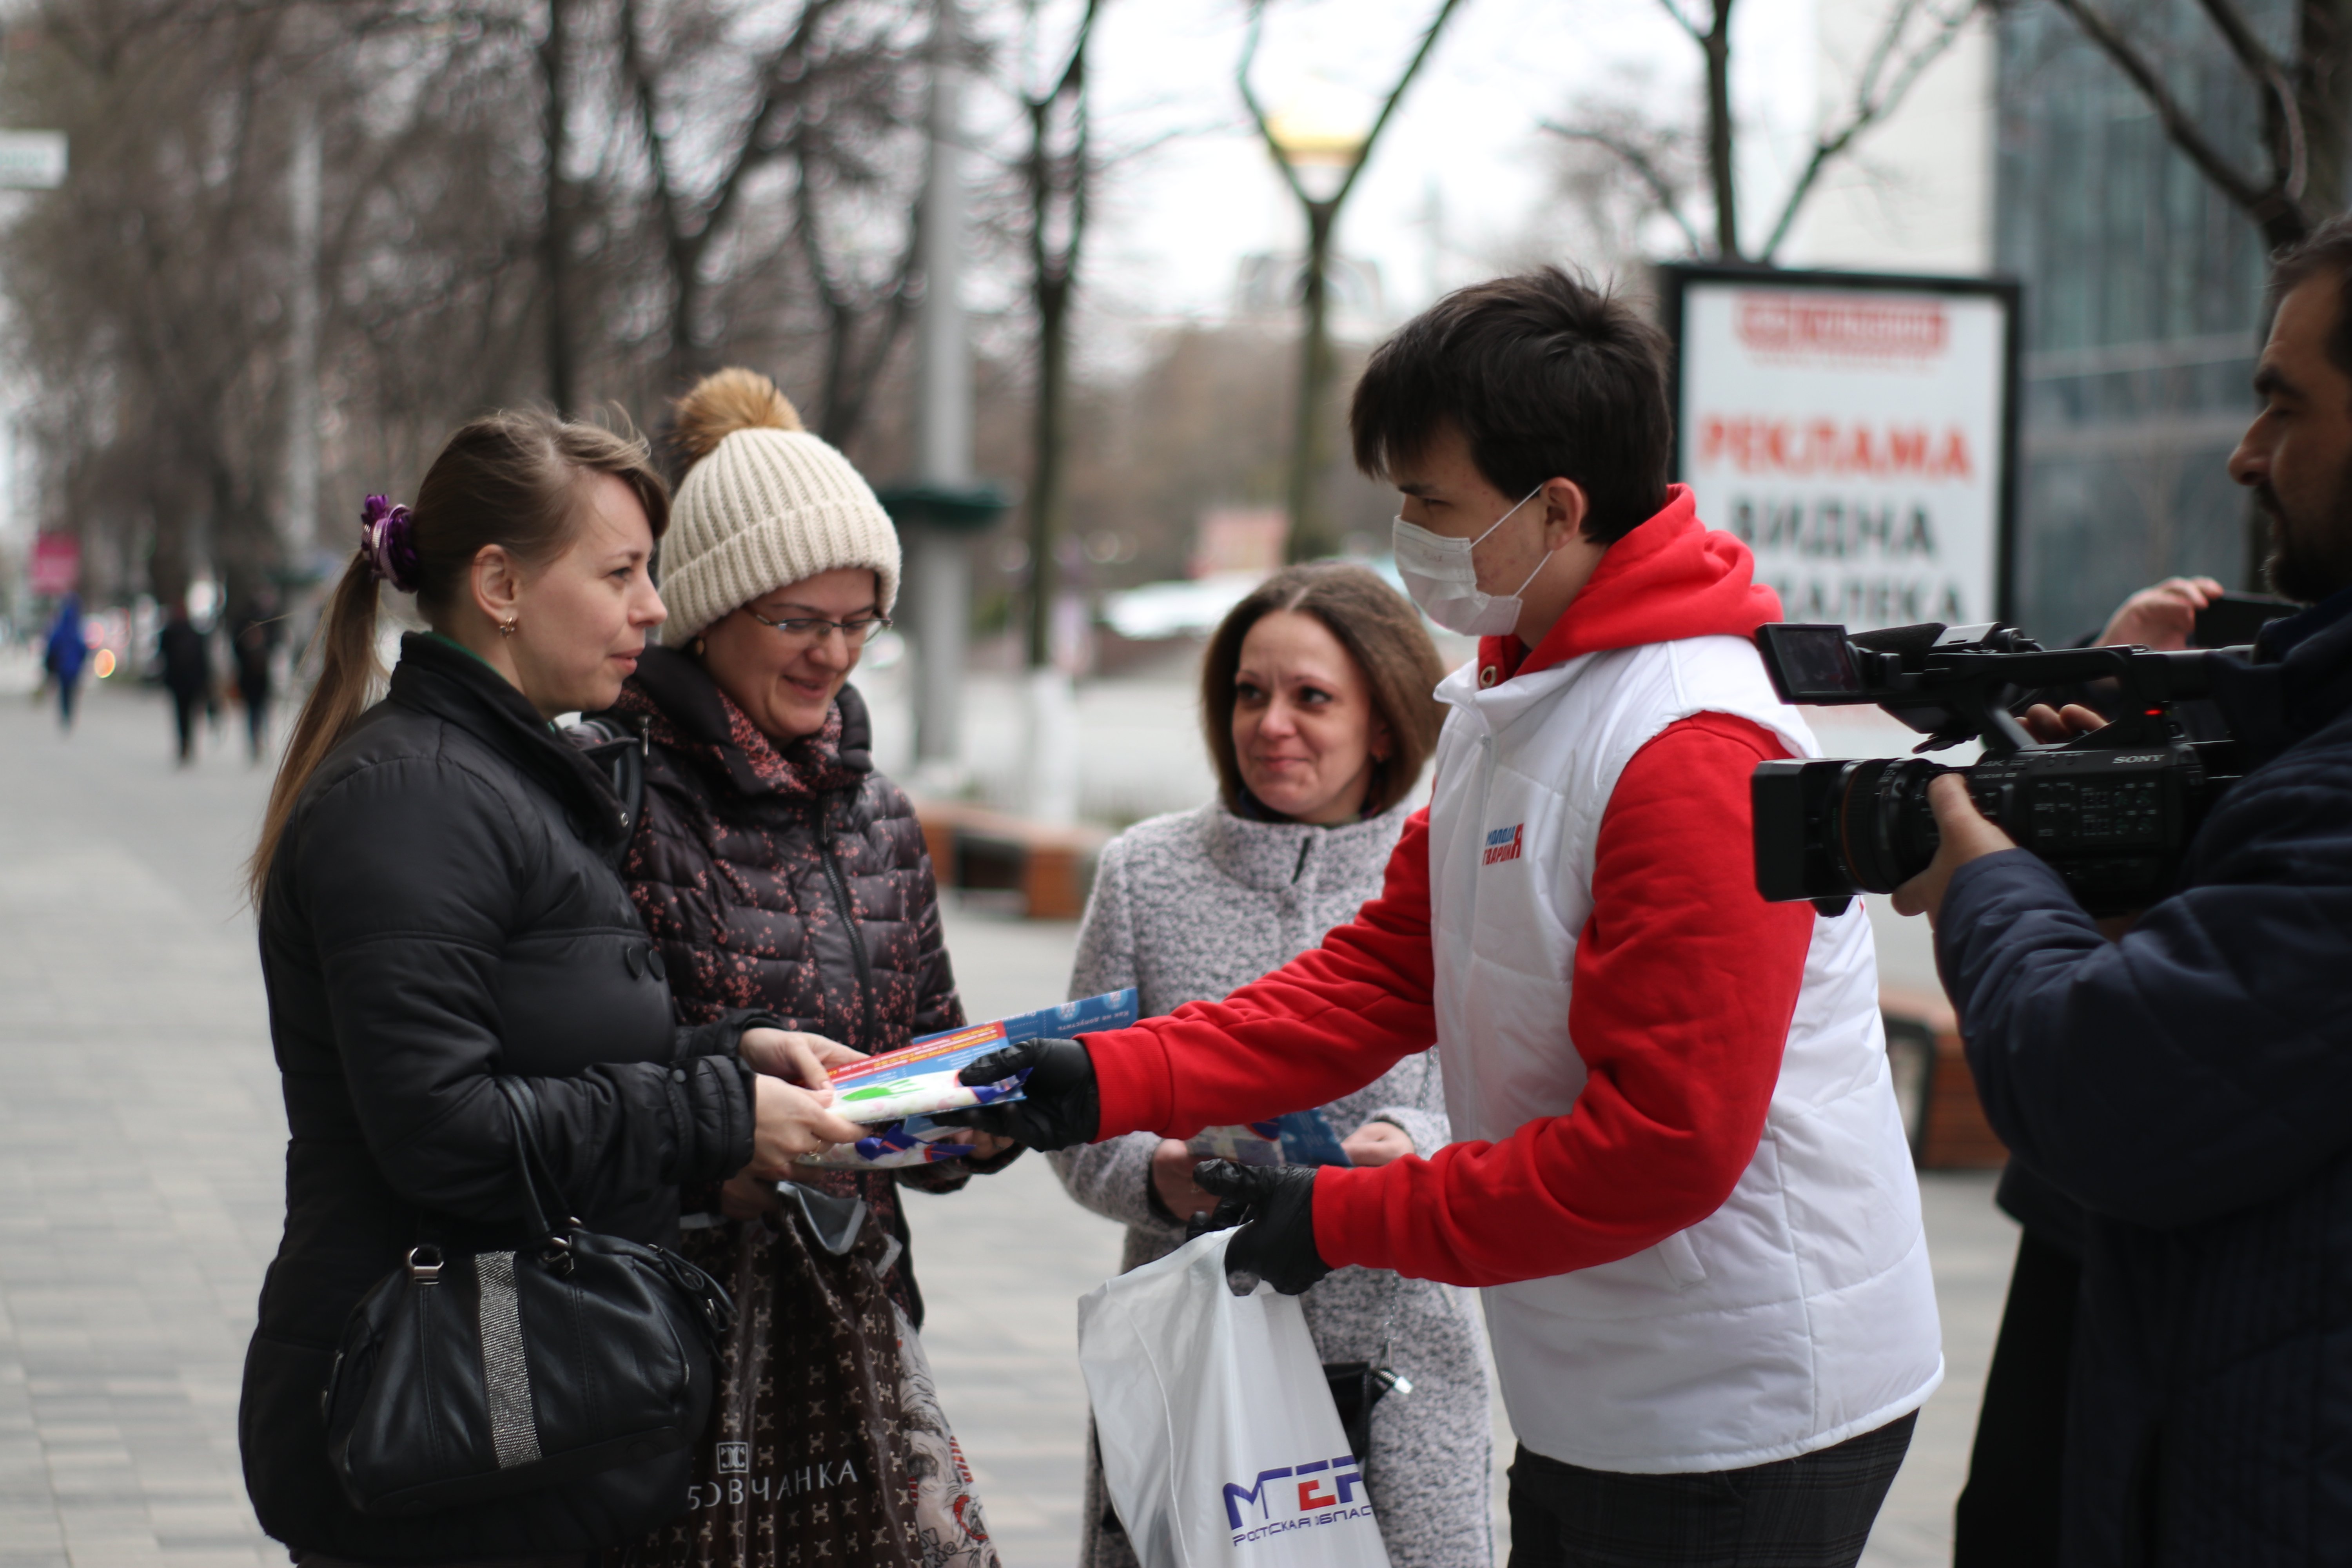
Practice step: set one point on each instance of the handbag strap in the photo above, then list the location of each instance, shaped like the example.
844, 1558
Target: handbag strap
539, 1182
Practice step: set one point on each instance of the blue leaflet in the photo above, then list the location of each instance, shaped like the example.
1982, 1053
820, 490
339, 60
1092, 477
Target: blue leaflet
1092, 1015
920, 1140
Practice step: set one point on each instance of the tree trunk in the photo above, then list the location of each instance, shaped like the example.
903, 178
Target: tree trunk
1721, 142
555, 229
2323, 93
683, 360
1310, 532
1048, 478
834, 397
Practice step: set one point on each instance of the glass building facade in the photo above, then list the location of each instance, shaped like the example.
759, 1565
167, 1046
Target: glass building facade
2143, 310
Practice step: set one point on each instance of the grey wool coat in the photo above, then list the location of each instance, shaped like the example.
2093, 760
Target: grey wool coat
1193, 906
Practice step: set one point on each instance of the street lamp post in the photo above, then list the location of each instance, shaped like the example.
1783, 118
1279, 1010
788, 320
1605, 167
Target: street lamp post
939, 511
1320, 152
1326, 153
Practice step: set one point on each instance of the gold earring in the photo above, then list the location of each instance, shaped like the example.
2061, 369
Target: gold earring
505, 629
698, 648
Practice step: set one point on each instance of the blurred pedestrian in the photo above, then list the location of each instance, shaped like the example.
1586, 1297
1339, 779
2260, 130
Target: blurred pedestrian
66, 651
185, 655
778, 869
438, 905
1315, 699
252, 648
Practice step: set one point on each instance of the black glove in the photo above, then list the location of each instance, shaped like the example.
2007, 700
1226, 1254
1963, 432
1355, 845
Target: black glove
1274, 1206
1062, 1107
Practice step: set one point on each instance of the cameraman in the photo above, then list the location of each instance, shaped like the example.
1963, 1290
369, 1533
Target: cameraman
1679, 1173
2190, 1082
2007, 1515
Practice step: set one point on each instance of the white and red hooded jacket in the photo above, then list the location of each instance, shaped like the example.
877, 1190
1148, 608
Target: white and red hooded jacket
1679, 1173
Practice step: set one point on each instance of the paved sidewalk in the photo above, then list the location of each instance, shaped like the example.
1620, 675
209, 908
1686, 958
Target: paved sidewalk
140, 1143
141, 1168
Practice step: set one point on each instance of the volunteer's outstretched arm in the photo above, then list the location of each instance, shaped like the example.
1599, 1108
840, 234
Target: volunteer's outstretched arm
1327, 1023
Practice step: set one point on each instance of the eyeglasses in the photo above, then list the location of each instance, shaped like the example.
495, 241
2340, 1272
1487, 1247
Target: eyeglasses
807, 630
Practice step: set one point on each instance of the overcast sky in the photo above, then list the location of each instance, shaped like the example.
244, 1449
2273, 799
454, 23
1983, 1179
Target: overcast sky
1176, 221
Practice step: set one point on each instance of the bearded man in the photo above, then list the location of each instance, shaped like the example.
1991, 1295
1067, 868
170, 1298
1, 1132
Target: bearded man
2190, 1082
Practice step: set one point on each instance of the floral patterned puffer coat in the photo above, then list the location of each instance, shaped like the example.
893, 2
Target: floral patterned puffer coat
791, 878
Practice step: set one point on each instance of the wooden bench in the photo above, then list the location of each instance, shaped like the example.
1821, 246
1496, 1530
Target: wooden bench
1049, 868
1950, 1132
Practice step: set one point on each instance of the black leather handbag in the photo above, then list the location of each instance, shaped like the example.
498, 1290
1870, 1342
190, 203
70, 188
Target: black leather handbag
467, 1378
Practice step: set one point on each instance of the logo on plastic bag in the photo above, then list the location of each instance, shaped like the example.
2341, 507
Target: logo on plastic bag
734, 1459
1322, 1492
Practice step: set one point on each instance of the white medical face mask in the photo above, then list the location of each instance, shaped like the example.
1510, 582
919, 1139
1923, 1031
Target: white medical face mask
1443, 580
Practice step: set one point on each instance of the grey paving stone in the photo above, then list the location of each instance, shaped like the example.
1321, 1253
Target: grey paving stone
141, 1144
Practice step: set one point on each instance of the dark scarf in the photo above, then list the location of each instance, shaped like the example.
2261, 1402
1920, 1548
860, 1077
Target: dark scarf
683, 709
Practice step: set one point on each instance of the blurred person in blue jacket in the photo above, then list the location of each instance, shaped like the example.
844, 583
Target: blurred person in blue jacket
2189, 1079
64, 654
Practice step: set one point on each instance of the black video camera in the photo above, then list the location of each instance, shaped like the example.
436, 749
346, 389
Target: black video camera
2112, 811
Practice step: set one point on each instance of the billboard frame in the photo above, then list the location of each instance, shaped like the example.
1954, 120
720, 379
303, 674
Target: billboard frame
1674, 279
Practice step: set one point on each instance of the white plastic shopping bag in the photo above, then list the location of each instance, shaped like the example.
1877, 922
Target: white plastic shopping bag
1220, 1444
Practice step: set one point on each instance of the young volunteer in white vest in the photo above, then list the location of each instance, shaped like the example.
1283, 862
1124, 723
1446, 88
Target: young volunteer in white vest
1679, 1173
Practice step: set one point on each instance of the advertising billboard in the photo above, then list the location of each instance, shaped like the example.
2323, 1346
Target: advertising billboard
1856, 431
56, 565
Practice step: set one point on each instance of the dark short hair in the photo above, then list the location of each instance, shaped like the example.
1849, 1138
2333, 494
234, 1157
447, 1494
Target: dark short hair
1546, 376
2325, 249
1381, 633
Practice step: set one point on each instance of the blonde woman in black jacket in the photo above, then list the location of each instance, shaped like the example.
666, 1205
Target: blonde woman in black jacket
439, 906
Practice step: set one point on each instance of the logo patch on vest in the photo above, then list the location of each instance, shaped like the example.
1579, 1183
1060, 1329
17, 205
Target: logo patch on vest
1506, 842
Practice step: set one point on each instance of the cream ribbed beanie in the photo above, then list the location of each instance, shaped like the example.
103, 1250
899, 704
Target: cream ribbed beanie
765, 504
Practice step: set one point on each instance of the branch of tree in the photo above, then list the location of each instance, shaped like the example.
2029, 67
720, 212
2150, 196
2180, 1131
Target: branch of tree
641, 89
1396, 95
1257, 111
2281, 114
1698, 34
1870, 104
2178, 124
1644, 169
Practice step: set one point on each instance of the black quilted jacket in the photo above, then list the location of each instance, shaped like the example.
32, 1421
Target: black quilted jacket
791, 879
441, 909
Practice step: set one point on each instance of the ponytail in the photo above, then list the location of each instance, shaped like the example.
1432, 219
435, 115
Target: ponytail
348, 676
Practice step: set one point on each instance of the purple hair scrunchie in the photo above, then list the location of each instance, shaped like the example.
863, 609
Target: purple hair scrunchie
385, 539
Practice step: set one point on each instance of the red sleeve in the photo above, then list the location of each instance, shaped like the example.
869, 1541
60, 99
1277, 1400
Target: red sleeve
1330, 1020
1684, 983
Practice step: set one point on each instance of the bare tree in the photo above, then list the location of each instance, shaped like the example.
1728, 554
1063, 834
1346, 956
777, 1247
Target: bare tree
153, 291
1057, 173
515, 200
833, 81
1913, 36
864, 317
1310, 533
555, 221
2306, 108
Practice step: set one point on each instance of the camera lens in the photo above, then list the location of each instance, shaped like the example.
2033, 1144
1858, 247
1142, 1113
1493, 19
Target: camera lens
1886, 830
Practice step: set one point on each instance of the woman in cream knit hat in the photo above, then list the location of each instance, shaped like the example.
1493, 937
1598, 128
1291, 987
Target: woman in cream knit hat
779, 872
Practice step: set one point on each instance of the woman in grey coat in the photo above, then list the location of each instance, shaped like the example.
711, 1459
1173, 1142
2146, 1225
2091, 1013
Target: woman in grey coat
1316, 702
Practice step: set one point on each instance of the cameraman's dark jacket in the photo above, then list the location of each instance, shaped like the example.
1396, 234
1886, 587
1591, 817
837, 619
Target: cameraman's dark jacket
2191, 1085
